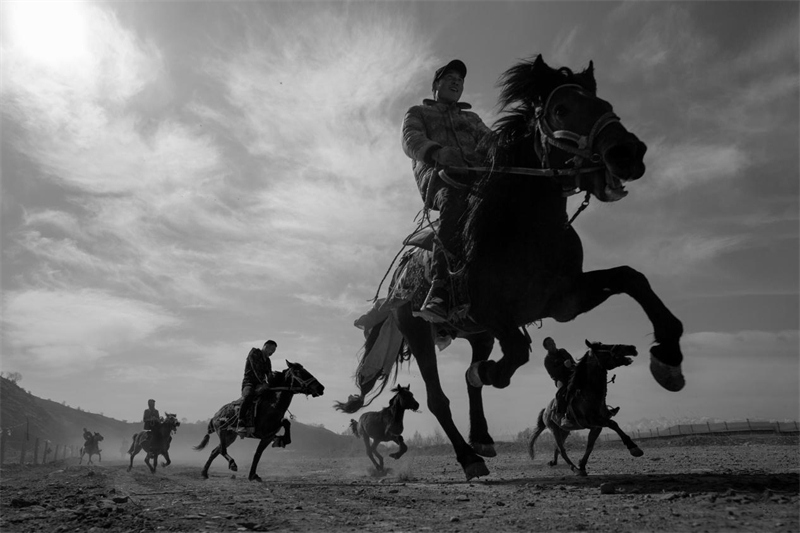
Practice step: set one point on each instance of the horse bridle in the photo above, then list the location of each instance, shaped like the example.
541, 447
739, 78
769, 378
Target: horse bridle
293, 378
608, 350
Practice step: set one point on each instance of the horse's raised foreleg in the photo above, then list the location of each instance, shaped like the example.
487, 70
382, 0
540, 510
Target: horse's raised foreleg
403, 448
479, 437
256, 458
282, 441
516, 352
590, 289
166, 456
590, 440
419, 336
626, 440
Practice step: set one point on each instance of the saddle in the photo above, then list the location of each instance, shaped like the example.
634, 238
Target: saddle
411, 282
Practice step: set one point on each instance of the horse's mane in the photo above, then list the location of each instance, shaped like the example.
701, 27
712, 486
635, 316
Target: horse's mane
524, 87
579, 375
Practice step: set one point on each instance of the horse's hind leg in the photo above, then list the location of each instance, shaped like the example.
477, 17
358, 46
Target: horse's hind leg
626, 440
479, 437
590, 289
256, 458
419, 336
403, 448
133, 452
372, 451
560, 436
590, 440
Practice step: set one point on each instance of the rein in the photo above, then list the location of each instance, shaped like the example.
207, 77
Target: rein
582, 152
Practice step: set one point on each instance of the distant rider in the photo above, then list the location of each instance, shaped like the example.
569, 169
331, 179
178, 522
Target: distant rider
257, 374
560, 365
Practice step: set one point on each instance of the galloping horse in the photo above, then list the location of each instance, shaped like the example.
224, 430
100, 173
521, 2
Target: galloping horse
155, 442
522, 259
271, 406
92, 447
587, 403
385, 425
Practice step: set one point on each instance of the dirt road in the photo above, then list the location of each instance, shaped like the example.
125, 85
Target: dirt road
746, 487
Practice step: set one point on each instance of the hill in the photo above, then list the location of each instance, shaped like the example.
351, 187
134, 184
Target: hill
23, 414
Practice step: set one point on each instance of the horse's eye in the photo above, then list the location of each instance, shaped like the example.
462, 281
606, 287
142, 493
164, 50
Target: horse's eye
560, 111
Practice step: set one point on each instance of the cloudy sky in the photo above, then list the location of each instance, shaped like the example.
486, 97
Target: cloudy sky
183, 180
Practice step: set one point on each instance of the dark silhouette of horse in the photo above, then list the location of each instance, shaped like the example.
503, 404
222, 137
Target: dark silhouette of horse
522, 259
155, 442
586, 397
385, 425
92, 447
270, 408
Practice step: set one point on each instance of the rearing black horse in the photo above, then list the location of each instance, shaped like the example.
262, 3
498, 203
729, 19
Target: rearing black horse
523, 259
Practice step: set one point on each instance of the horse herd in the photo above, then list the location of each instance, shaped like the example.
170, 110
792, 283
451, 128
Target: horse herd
521, 262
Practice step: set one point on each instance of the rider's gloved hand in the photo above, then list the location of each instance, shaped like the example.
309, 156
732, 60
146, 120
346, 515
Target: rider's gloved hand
448, 157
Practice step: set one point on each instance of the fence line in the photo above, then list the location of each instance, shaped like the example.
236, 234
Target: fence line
18, 450
720, 428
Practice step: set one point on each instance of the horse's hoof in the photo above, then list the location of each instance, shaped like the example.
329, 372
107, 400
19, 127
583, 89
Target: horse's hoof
669, 377
551, 463
636, 452
484, 450
582, 473
233, 468
476, 469
473, 378
255, 478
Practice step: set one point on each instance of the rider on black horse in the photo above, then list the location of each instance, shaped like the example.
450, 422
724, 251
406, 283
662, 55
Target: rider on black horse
257, 374
560, 365
439, 134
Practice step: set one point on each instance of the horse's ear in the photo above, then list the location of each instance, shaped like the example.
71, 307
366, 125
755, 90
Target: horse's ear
588, 344
587, 78
289, 364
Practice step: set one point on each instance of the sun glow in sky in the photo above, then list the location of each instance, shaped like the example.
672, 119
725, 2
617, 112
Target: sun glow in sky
51, 33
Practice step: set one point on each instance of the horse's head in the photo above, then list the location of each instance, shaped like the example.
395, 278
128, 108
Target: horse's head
97, 437
612, 356
569, 128
404, 398
171, 421
300, 380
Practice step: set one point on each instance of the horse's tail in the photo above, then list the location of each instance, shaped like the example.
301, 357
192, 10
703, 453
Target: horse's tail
540, 426
211, 429
384, 348
354, 426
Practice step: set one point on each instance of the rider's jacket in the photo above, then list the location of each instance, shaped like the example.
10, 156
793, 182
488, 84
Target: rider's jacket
434, 125
150, 418
257, 368
554, 364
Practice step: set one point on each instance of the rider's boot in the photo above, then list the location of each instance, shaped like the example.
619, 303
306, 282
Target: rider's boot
436, 304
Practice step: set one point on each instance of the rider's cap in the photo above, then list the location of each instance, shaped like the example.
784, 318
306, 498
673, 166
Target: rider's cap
456, 65
151, 400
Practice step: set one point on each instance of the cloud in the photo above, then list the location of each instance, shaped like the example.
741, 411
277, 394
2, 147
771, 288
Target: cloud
764, 345
74, 329
677, 167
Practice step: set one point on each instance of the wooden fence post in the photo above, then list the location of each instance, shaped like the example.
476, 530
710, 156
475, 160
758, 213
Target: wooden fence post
22, 453
749, 427
36, 452
2, 447
55, 455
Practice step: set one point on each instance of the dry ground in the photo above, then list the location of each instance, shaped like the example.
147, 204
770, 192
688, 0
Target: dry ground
747, 485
